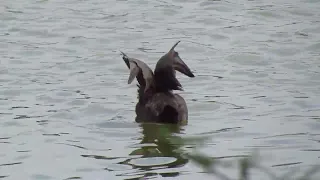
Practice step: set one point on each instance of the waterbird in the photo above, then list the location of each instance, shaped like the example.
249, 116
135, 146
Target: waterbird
156, 100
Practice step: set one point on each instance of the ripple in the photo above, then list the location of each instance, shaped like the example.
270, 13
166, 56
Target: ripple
247, 59
11, 164
286, 164
41, 176
155, 161
100, 157
64, 97
313, 47
70, 178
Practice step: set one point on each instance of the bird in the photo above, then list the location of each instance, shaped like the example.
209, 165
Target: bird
156, 100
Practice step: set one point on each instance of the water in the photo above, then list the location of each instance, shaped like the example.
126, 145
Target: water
67, 112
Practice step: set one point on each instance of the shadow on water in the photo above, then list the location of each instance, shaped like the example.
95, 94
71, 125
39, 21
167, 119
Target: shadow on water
156, 152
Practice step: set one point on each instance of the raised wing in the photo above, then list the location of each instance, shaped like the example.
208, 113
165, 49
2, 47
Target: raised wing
140, 70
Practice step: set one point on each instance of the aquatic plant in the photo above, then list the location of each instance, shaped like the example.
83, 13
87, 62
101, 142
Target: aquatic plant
245, 163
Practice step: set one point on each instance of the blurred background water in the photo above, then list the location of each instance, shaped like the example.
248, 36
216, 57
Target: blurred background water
67, 112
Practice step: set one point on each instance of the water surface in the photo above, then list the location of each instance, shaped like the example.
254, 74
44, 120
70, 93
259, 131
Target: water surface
67, 112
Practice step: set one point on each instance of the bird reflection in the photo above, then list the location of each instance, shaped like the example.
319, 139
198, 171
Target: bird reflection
154, 143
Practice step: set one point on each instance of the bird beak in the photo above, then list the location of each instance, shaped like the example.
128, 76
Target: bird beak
180, 66
178, 63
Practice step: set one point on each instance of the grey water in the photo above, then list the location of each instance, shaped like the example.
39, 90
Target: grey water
67, 112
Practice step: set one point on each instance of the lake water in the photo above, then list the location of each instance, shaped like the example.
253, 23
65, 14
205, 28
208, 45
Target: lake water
67, 112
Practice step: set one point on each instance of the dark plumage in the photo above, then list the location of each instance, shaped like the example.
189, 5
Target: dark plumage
157, 102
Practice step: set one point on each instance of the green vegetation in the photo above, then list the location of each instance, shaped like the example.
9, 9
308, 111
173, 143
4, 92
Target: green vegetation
245, 164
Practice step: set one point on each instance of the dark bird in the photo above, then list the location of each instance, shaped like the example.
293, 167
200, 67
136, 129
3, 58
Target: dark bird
156, 101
